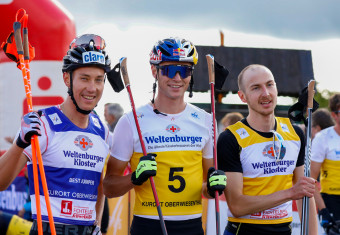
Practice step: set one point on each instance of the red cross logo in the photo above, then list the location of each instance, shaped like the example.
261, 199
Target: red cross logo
173, 129
271, 151
83, 142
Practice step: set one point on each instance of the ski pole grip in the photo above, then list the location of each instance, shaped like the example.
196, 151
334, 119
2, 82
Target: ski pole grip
26, 48
211, 68
311, 92
17, 37
123, 69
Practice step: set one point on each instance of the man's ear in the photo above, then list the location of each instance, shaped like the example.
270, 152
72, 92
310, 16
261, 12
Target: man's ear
154, 71
242, 96
66, 77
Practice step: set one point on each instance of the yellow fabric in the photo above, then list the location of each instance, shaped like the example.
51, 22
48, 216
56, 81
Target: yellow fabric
186, 165
18, 225
266, 185
262, 173
330, 177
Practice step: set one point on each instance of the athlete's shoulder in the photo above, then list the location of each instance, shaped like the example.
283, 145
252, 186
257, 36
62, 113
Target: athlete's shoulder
141, 111
197, 109
325, 133
197, 112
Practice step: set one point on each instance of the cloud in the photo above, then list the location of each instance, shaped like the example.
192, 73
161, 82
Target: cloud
290, 19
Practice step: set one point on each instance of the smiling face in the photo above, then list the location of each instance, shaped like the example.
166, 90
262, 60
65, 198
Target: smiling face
258, 90
171, 88
88, 86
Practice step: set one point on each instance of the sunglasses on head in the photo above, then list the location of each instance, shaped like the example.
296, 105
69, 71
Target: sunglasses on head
171, 70
278, 154
89, 39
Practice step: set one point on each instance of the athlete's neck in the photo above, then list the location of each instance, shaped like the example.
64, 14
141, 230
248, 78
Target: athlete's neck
263, 123
337, 129
169, 106
70, 111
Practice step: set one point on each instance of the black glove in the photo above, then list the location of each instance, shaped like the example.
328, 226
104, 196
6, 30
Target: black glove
216, 181
146, 168
326, 219
30, 125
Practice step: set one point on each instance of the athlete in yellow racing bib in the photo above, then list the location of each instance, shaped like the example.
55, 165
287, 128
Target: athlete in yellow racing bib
178, 138
263, 158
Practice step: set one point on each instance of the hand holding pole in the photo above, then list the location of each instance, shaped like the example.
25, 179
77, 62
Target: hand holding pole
34, 140
305, 202
211, 71
127, 85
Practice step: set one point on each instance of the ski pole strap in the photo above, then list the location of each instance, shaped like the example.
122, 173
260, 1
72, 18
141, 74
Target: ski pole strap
296, 112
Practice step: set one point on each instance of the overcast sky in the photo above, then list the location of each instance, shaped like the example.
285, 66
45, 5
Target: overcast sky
131, 27
289, 19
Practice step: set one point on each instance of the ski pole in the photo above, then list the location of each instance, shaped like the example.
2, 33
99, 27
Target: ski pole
211, 72
305, 204
127, 85
34, 140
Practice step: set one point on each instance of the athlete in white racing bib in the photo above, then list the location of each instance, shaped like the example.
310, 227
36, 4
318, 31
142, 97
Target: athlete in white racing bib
73, 143
178, 138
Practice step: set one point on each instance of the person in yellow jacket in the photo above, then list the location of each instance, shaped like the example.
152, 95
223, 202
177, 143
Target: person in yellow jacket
263, 158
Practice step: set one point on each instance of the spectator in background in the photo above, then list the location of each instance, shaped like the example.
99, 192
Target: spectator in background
230, 119
325, 158
112, 113
321, 119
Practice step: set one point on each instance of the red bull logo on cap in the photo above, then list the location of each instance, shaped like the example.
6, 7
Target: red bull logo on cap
178, 52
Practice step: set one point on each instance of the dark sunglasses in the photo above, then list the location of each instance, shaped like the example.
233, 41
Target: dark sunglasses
86, 39
171, 70
336, 112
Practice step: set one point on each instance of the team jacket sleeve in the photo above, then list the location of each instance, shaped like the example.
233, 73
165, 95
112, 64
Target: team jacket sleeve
228, 153
122, 140
301, 157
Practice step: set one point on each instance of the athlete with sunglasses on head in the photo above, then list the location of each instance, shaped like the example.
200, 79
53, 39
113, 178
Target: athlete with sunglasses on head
178, 138
73, 143
263, 158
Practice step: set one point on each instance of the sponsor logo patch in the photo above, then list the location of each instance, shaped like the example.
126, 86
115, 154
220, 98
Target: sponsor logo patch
194, 115
269, 152
83, 142
93, 57
140, 115
270, 214
242, 133
55, 118
96, 122
154, 57
66, 207
173, 129
284, 127
178, 52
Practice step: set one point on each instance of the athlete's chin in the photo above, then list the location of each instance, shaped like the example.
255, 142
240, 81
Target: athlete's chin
266, 112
